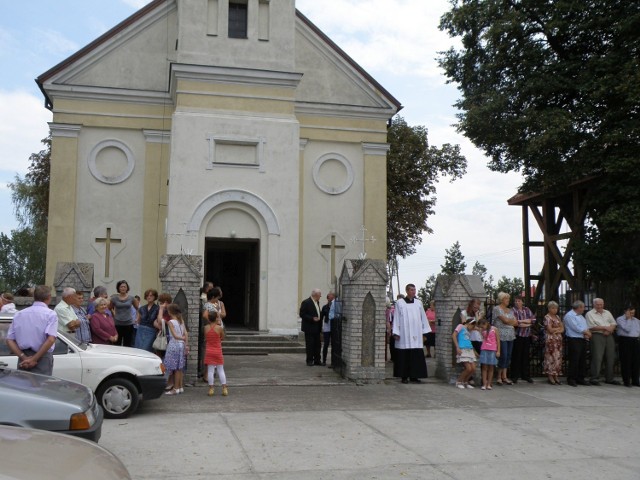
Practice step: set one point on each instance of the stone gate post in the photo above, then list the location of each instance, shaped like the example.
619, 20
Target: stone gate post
452, 293
181, 277
363, 294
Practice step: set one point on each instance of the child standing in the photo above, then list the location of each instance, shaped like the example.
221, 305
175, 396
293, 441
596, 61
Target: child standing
175, 356
489, 352
213, 359
465, 353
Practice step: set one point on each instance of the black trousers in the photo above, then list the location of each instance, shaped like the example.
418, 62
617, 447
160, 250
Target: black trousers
577, 359
312, 346
520, 358
125, 335
629, 351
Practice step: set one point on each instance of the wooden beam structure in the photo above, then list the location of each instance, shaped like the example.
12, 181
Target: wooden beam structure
552, 213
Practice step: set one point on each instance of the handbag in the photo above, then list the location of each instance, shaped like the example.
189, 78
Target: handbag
160, 343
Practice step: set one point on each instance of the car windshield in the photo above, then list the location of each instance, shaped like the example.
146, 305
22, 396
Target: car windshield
72, 339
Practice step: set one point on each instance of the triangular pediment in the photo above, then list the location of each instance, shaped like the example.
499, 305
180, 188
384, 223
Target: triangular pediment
331, 77
131, 57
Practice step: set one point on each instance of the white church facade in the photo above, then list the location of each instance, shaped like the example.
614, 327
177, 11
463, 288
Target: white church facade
231, 129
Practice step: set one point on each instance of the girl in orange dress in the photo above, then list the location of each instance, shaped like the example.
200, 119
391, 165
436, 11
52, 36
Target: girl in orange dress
213, 359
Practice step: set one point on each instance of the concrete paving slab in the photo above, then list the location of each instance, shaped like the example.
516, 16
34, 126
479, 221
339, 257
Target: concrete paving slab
307, 441
176, 445
302, 425
553, 469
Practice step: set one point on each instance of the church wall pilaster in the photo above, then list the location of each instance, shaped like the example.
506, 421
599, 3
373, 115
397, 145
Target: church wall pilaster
375, 197
62, 200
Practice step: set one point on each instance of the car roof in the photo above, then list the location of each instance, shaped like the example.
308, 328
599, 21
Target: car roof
29, 453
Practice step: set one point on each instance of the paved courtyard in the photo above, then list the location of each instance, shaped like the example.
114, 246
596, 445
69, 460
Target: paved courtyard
284, 420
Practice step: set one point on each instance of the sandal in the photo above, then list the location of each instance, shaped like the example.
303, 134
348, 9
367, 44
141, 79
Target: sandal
499, 382
508, 382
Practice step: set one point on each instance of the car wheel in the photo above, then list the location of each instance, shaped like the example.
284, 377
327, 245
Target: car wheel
118, 397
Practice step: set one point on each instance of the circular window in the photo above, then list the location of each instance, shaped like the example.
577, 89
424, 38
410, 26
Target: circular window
111, 161
333, 174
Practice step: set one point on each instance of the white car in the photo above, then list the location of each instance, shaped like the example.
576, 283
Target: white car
119, 376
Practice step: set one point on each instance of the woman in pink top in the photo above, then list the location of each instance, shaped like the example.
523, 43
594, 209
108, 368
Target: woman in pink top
103, 329
431, 336
489, 352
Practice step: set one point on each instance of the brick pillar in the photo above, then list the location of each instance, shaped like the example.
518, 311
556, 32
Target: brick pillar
452, 293
363, 295
184, 272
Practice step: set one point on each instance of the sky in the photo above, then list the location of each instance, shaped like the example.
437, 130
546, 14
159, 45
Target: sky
396, 41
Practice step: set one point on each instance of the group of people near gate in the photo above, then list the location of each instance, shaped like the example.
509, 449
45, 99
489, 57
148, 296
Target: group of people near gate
120, 320
501, 343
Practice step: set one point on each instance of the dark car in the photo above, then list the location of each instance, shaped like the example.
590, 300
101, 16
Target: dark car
48, 403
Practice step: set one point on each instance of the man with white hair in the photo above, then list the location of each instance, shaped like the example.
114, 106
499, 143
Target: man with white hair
311, 326
577, 333
67, 318
603, 346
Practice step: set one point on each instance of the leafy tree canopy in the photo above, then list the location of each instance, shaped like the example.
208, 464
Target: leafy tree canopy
426, 293
454, 263
512, 286
23, 254
413, 170
552, 89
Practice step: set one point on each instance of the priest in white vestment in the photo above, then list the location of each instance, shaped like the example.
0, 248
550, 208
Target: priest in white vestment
410, 326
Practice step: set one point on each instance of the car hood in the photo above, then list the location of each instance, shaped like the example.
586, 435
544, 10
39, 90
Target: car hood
28, 453
21, 383
116, 350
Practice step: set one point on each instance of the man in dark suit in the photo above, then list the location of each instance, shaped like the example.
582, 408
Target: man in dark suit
311, 326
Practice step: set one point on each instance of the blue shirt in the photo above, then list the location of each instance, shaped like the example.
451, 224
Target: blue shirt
574, 325
628, 327
464, 339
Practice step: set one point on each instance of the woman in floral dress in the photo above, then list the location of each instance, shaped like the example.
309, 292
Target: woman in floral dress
554, 329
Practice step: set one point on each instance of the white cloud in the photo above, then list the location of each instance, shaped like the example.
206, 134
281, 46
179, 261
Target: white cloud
23, 123
54, 42
402, 41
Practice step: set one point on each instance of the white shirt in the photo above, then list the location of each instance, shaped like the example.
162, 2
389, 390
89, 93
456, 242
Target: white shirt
410, 323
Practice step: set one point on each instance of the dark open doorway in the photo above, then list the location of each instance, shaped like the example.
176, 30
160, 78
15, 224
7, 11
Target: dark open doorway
234, 266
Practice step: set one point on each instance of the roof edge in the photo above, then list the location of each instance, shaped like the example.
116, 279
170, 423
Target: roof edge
41, 79
349, 60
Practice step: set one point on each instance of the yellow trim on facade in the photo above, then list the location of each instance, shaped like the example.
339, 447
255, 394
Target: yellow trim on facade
62, 204
155, 202
375, 202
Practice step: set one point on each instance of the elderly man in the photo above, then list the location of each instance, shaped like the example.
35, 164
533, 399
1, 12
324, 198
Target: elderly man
602, 325
410, 327
68, 320
577, 333
311, 326
32, 334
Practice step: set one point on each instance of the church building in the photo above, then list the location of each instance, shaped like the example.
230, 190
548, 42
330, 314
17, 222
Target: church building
231, 129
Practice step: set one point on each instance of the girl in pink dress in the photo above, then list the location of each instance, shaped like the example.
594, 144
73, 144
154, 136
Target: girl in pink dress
213, 359
489, 352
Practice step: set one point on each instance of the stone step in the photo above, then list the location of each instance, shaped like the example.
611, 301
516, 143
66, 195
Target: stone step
265, 350
255, 343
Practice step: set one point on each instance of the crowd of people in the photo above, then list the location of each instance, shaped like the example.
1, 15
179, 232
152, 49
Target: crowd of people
500, 341
119, 319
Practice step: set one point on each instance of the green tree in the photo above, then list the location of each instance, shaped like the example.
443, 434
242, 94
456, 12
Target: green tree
426, 293
454, 263
513, 286
480, 270
413, 170
551, 90
23, 253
